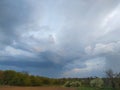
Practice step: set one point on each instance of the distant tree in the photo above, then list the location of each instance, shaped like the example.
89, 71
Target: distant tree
1, 77
9, 77
35, 81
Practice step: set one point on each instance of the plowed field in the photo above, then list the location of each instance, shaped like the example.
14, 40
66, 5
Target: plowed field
35, 88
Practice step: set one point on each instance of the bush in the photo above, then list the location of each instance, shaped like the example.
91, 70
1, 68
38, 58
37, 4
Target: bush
97, 82
72, 84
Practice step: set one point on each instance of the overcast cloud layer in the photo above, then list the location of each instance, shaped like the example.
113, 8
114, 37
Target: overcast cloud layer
60, 38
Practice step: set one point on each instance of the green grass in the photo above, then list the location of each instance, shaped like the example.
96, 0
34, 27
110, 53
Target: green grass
92, 88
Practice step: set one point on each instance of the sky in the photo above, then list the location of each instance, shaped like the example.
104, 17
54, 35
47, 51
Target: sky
60, 38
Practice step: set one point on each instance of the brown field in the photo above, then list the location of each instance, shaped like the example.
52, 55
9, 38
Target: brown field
35, 88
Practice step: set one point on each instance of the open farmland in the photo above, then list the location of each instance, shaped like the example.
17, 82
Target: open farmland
35, 88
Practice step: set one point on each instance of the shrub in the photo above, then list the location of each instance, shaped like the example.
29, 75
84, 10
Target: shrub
97, 82
72, 84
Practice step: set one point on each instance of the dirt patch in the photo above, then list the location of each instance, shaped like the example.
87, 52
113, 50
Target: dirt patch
35, 88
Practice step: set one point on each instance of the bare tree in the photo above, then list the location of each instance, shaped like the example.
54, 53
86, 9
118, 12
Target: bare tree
110, 73
110, 77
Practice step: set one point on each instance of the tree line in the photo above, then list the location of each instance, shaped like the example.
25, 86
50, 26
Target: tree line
13, 78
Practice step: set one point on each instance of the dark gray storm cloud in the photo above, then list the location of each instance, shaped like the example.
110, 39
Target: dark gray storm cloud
12, 14
63, 38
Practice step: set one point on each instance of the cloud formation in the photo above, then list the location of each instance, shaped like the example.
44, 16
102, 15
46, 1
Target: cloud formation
62, 38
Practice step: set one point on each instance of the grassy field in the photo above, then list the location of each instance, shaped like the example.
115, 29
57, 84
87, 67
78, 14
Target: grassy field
50, 88
91, 88
35, 88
